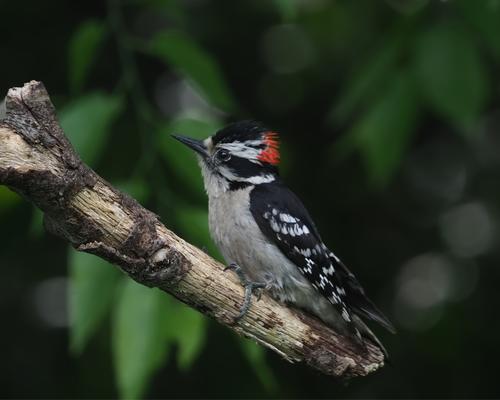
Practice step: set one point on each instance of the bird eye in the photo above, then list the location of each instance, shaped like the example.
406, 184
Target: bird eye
223, 155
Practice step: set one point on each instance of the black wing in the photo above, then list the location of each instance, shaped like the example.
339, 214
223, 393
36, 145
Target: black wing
284, 220
357, 298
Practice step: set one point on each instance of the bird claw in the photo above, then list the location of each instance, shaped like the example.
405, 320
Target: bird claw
250, 288
232, 266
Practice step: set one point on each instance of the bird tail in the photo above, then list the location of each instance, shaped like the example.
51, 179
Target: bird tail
366, 308
368, 334
359, 301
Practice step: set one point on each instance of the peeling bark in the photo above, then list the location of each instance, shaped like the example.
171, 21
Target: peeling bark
38, 161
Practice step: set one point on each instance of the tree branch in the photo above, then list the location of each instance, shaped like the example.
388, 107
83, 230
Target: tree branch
38, 161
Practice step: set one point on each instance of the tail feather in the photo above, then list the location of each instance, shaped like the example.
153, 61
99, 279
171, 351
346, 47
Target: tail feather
368, 334
365, 308
359, 302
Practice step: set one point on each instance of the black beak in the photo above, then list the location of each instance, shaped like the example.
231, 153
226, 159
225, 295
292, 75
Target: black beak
193, 144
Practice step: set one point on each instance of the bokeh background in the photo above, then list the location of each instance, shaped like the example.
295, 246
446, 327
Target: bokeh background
389, 113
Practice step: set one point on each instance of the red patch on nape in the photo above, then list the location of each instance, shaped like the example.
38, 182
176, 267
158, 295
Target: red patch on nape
271, 153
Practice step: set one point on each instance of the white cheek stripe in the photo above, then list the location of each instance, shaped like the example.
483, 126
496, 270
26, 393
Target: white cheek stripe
241, 149
255, 180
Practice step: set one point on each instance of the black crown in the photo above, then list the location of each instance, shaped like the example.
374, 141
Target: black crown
240, 132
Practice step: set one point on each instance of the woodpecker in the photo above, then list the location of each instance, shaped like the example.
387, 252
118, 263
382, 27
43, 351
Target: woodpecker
267, 237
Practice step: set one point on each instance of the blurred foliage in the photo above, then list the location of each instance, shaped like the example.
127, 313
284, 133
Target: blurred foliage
181, 53
82, 52
89, 275
7, 199
449, 70
139, 344
87, 122
389, 113
177, 160
383, 136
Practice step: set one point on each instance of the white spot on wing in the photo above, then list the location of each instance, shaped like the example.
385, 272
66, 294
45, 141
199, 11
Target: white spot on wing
308, 268
329, 271
274, 226
297, 230
334, 298
306, 252
345, 314
287, 218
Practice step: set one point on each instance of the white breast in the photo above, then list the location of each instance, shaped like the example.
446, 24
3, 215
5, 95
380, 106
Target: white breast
240, 240
232, 226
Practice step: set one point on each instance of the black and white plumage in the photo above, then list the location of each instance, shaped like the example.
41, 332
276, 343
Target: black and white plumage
262, 226
285, 221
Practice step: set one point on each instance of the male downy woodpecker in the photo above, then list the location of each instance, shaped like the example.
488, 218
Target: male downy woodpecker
267, 236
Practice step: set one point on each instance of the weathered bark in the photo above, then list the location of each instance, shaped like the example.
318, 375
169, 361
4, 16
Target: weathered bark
37, 161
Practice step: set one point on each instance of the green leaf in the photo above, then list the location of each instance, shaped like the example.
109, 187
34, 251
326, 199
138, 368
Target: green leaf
367, 81
181, 159
36, 225
187, 328
139, 344
287, 8
256, 356
82, 51
87, 122
383, 134
198, 66
136, 188
93, 286
8, 198
193, 223
450, 73
484, 16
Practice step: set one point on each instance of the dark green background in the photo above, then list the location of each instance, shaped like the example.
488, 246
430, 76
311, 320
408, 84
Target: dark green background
389, 116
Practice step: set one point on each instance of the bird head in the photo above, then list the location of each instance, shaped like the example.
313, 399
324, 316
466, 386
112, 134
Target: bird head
241, 154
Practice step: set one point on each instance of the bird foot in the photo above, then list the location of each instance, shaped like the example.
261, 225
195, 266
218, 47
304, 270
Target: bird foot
250, 288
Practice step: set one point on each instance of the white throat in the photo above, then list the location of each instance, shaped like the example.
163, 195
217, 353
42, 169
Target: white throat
217, 184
